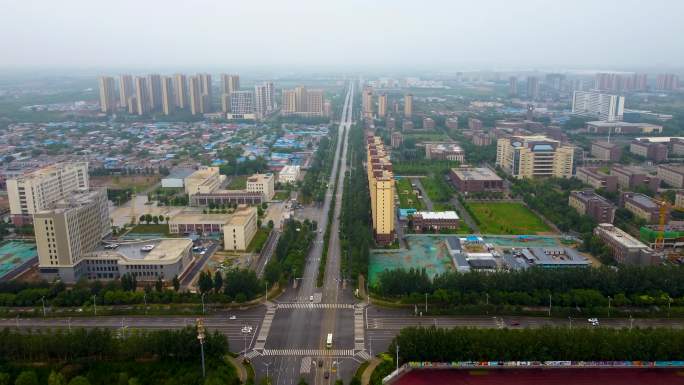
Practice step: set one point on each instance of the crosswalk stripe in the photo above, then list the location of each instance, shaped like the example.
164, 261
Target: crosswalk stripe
311, 306
309, 352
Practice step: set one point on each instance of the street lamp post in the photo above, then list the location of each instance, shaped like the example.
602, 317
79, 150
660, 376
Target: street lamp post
201, 336
145, 300
549, 305
267, 364
42, 299
95, 304
203, 311
570, 319
631, 322
397, 357
609, 299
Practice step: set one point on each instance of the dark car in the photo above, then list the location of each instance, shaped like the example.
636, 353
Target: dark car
326, 375
320, 363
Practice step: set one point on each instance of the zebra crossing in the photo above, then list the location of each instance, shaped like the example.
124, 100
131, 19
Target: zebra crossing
306, 366
363, 355
309, 352
312, 306
265, 327
251, 354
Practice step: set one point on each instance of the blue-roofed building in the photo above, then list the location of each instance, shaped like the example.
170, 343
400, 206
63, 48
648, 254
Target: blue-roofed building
404, 214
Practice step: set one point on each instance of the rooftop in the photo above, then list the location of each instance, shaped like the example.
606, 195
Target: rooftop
204, 173
475, 173
561, 256
259, 178
165, 250
241, 216
621, 236
642, 200
199, 217
602, 123
446, 215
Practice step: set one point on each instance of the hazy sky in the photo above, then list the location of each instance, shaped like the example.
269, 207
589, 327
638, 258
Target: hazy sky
237, 34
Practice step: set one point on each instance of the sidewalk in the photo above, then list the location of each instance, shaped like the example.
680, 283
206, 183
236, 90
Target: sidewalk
366, 376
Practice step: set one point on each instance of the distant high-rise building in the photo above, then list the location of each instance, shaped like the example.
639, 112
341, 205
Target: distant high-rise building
382, 105
206, 91
300, 99
367, 102
640, 82
155, 92
314, 102
513, 86
602, 106
381, 186
195, 95
107, 94
181, 87
225, 103
263, 98
230, 83
288, 102
126, 90
242, 102
667, 82
168, 97
408, 106
142, 95
532, 88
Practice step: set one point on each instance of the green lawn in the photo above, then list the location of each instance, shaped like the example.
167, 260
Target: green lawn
150, 229
507, 218
258, 240
238, 182
281, 195
407, 199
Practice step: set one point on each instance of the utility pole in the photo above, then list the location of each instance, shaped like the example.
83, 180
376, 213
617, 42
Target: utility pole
95, 304
397, 357
425, 303
609, 306
42, 299
267, 364
549, 305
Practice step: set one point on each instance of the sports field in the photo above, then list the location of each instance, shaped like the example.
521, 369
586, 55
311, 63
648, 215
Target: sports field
14, 254
507, 218
543, 376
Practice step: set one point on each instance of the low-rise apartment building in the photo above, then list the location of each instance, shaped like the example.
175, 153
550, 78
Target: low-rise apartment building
632, 177
626, 249
187, 222
642, 206
606, 151
672, 174
587, 202
289, 174
597, 179
656, 152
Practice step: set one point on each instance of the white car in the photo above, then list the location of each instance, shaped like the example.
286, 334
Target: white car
593, 321
232, 317
311, 298
147, 248
246, 329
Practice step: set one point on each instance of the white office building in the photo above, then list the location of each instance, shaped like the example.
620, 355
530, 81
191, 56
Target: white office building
595, 104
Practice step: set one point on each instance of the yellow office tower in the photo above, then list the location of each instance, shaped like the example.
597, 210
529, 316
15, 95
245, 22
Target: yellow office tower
534, 156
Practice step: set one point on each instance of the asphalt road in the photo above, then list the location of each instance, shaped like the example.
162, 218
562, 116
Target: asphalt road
295, 330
